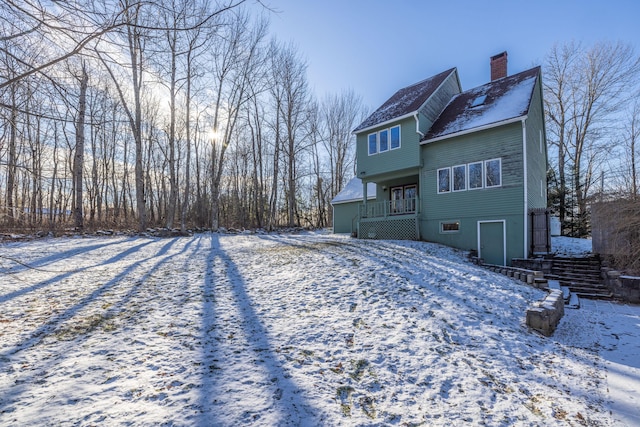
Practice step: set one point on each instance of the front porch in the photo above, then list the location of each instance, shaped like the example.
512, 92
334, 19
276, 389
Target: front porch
389, 220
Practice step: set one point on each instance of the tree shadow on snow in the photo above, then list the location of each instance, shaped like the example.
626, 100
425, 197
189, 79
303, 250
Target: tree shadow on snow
276, 391
34, 375
64, 274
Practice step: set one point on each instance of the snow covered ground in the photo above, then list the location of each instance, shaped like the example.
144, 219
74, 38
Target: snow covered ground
570, 246
309, 329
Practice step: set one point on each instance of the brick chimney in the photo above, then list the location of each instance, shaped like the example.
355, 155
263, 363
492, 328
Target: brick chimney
499, 66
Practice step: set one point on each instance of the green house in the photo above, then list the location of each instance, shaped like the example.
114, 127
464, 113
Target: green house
462, 168
346, 205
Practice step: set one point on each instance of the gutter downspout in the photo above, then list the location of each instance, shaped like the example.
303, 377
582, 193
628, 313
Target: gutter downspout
415, 116
525, 189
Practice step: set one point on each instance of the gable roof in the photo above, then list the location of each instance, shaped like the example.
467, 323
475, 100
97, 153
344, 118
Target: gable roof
353, 192
406, 101
496, 102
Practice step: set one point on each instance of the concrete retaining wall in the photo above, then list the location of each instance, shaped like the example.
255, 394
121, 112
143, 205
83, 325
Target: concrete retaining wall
545, 315
626, 288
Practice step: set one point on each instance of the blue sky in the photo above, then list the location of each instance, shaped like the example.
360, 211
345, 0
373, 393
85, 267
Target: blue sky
376, 47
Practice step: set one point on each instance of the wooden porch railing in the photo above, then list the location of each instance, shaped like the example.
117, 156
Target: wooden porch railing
389, 208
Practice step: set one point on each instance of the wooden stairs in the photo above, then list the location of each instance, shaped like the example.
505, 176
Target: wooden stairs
581, 276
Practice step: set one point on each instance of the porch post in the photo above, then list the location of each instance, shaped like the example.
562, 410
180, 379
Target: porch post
365, 196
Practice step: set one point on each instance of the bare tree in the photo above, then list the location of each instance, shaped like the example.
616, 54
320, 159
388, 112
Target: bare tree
631, 135
292, 99
235, 60
71, 27
584, 88
340, 113
78, 164
135, 36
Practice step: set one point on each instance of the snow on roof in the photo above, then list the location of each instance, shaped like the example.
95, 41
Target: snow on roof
353, 192
504, 99
405, 101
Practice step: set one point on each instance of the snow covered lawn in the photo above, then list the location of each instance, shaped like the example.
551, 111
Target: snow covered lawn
291, 330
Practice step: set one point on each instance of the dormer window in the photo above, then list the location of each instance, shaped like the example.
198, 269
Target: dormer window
479, 101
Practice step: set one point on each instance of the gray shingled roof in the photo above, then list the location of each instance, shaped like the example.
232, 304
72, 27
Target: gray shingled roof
505, 98
405, 101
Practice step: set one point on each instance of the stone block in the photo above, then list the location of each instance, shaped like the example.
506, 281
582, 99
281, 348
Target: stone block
546, 314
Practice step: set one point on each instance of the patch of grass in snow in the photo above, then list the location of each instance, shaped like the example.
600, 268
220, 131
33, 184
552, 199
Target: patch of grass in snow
532, 406
343, 394
85, 326
559, 414
359, 369
367, 405
338, 369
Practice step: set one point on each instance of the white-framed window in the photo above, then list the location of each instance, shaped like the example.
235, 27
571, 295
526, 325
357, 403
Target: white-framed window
470, 176
444, 180
459, 178
373, 143
492, 173
403, 198
475, 175
395, 137
449, 226
383, 138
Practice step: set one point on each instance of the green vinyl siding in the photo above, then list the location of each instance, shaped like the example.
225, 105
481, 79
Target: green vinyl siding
467, 237
536, 153
391, 161
438, 101
505, 202
344, 215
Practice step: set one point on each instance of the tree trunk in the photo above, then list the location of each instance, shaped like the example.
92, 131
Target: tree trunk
12, 160
78, 164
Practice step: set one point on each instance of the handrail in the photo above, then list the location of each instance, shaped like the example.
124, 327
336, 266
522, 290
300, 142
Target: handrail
389, 208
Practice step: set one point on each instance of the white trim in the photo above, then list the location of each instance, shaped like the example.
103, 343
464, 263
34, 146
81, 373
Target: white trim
399, 137
476, 129
453, 178
385, 123
438, 181
415, 116
525, 224
343, 202
454, 70
504, 238
380, 140
481, 175
453, 221
484, 172
541, 150
369, 142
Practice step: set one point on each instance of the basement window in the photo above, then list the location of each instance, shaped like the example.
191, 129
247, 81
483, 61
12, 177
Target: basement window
449, 227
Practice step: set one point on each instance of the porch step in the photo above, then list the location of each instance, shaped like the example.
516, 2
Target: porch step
581, 275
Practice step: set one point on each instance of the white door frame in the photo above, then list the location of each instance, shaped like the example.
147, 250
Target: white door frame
504, 238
